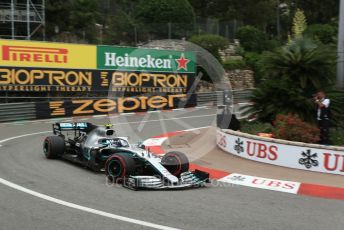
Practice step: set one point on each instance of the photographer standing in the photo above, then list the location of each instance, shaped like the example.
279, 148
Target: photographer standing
323, 116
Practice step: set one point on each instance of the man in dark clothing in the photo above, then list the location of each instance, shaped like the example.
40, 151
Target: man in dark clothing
226, 119
323, 116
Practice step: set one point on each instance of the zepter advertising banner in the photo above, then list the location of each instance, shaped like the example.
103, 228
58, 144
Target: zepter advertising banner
80, 107
143, 77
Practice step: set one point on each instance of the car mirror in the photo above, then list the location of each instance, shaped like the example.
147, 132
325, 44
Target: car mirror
141, 145
110, 132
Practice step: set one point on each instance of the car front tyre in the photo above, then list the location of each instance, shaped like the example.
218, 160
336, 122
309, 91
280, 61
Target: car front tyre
175, 162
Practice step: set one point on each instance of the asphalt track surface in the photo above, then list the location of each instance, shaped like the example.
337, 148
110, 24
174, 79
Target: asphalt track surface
215, 207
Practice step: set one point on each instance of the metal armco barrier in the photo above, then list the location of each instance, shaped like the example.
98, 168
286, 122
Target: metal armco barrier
28, 110
17, 112
216, 98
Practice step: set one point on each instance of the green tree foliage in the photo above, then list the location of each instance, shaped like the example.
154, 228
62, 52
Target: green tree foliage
293, 74
156, 14
336, 106
303, 61
57, 14
262, 13
234, 64
259, 13
119, 25
255, 127
299, 24
317, 11
252, 39
253, 60
212, 43
324, 33
281, 96
77, 17
120, 29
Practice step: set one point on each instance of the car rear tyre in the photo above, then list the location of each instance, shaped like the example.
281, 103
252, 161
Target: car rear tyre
118, 166
175, 162
53, 147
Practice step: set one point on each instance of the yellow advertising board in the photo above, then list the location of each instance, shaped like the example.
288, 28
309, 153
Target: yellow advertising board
49, 55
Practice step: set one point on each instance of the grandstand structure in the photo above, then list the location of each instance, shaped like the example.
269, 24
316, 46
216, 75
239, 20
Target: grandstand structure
22, 19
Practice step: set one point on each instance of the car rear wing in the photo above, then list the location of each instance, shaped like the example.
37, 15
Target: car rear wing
72, 126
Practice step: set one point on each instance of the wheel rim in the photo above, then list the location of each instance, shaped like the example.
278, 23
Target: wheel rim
115, 168
173, 164
46, 148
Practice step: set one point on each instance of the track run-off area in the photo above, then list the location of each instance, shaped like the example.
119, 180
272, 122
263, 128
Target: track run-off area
36, 193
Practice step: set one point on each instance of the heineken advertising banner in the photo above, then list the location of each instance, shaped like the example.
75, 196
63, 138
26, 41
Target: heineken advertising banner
137, 79
148, 60
42, 67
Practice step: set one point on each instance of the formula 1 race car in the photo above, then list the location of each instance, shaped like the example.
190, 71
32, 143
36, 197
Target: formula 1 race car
98, 148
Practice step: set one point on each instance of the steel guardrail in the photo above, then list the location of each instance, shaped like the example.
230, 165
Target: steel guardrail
17, 112
27, 110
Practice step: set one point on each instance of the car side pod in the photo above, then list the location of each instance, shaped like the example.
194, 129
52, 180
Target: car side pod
195, 179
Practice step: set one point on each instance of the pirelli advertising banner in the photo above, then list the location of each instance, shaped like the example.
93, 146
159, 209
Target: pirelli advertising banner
128, 73
48, 55
44, 67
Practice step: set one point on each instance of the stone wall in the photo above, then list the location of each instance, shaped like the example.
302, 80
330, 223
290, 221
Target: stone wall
241, 79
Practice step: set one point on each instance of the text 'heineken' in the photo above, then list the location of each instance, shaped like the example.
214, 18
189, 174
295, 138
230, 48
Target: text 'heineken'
112, 60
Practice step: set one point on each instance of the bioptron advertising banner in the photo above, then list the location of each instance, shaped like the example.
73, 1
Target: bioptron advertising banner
164, 76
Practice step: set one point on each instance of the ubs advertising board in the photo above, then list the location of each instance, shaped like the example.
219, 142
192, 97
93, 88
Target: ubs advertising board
145, 78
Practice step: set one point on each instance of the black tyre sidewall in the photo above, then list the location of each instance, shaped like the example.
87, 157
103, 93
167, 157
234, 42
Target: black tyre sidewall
55, 147
181, 158
127, 164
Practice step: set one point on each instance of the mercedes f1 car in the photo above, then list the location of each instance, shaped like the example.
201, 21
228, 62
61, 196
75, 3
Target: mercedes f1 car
98, 148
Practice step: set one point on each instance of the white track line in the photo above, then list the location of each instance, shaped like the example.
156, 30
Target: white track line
83, 208
137, 122
201, 107
102, 115
76, 206
154, 111
158, 120
85, 119
25, 135
127, 114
